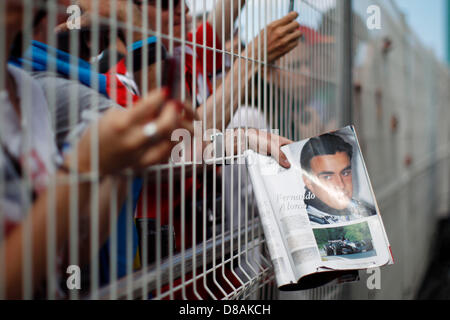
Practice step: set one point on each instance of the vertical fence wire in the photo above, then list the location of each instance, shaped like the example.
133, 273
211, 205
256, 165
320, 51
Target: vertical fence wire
51, 230
3, 94
26, 121
114, 210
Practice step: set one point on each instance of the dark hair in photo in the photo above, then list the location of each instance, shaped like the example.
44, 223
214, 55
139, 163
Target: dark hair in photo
327, 144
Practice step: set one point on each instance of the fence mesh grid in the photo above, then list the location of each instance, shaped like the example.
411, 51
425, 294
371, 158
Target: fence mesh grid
190, 229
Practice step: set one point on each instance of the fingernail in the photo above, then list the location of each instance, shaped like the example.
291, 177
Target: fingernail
284, 160
166, 92
179, 105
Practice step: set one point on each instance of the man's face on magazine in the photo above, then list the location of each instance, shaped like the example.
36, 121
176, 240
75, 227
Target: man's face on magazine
331, 179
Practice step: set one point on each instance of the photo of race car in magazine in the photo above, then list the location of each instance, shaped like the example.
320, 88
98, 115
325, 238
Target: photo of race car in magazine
350, 242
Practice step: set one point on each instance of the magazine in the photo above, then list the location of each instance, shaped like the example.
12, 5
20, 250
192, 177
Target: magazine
320, 217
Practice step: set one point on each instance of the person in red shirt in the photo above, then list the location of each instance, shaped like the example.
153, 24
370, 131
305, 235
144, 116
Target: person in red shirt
282, 36
120, 83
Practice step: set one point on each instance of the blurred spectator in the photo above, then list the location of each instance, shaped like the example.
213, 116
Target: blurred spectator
282, 37
116, 82
68, 95
123, 143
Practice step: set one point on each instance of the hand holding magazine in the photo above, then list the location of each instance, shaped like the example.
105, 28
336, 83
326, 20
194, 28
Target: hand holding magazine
320, 217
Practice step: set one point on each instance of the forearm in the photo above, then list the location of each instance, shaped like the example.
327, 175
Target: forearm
225, 16
228, 95
38, 219
111, 189
37, 228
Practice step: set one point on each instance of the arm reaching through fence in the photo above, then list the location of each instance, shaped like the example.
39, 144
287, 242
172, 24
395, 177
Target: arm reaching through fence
225, 13
260, 141
140, 136
282, 36
235, 141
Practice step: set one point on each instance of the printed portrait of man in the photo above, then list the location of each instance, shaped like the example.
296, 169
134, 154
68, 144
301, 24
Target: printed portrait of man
326, 163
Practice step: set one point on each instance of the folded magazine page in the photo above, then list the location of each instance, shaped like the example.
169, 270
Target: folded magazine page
320, 216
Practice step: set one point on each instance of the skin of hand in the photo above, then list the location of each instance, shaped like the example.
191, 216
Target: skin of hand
122, 141
282, 37
259, 141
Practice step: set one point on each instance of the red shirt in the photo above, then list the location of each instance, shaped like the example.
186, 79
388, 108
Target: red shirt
204, 60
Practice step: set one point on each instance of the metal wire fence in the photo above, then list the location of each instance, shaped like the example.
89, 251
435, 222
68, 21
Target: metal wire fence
190, 230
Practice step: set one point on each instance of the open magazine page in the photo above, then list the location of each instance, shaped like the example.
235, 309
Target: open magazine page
294, 233
339, 201
280, 259
323, 206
